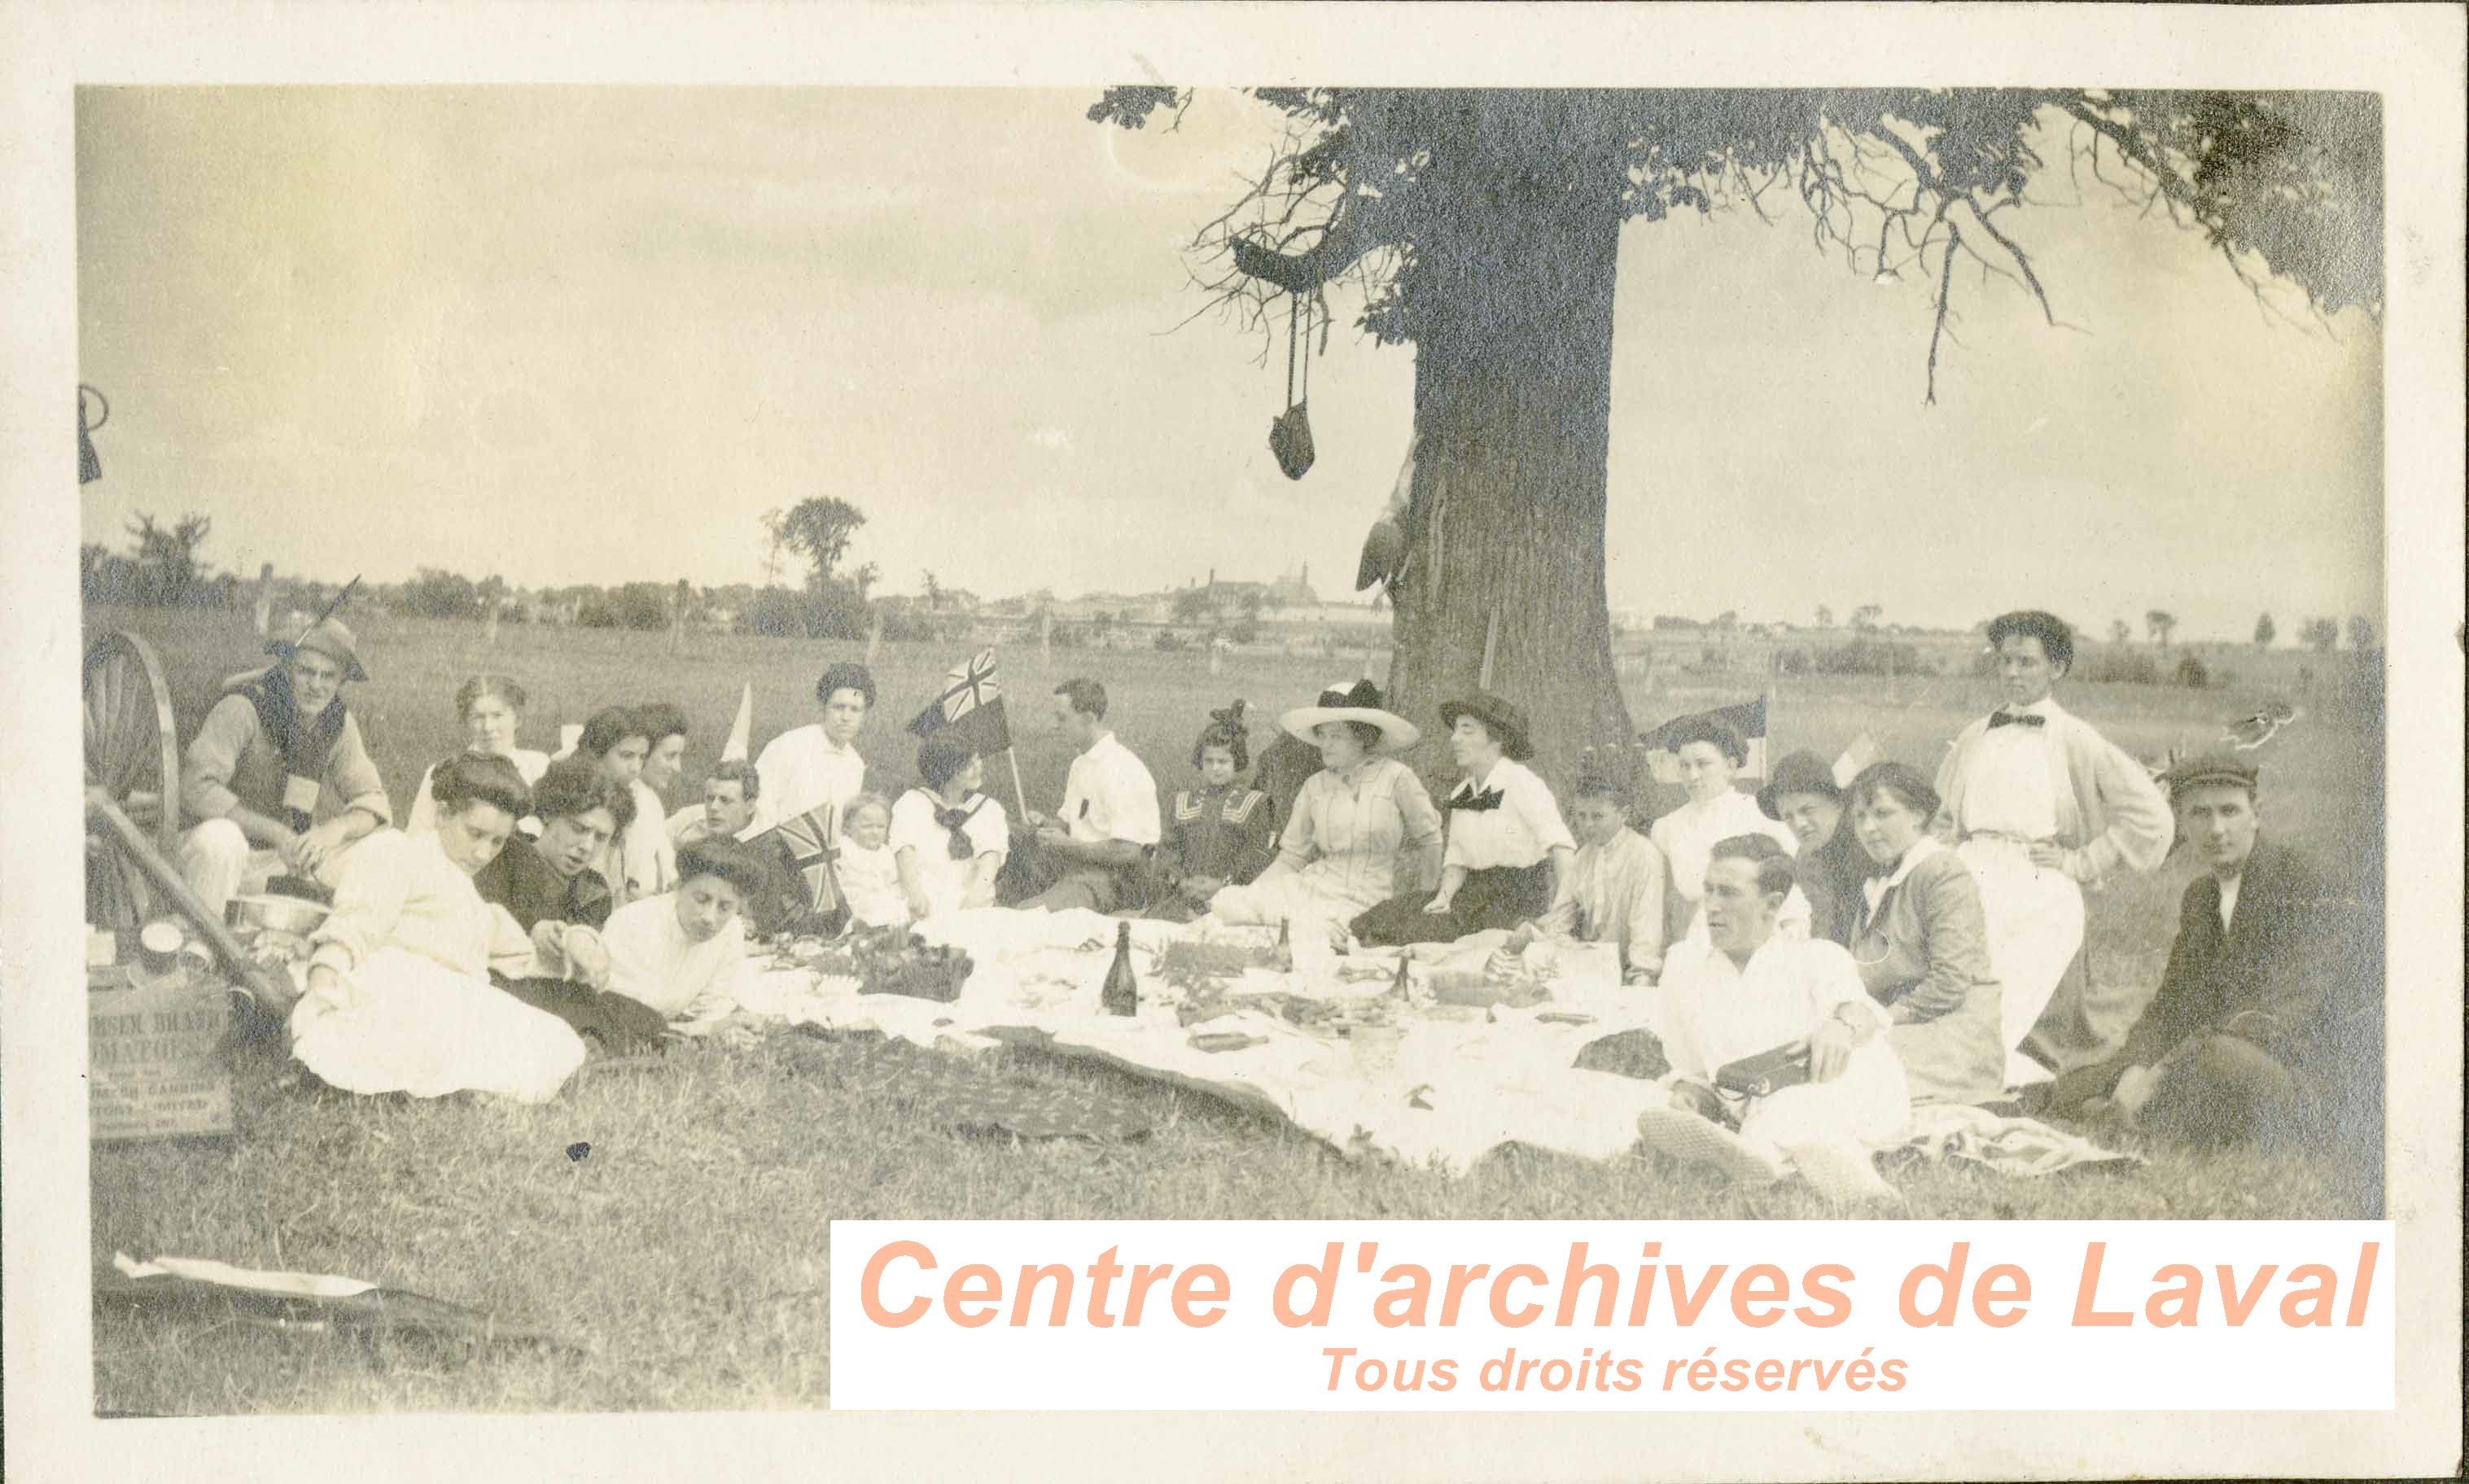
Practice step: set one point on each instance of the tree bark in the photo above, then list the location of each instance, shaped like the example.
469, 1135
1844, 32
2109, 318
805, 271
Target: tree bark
1513, 415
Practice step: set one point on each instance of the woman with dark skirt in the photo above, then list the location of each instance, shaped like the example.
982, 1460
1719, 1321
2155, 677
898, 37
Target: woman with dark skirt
1509, 850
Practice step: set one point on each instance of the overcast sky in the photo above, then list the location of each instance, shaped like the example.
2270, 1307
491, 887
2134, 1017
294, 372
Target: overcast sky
592, 334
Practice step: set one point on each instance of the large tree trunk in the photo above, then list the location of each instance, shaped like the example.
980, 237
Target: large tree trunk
1512, 412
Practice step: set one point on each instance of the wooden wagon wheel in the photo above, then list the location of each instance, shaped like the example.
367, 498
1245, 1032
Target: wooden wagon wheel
133, 755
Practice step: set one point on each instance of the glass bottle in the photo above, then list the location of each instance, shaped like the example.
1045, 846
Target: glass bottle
1121, 995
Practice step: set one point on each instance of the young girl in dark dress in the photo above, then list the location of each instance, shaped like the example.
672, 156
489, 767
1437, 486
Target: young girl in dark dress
1223, 833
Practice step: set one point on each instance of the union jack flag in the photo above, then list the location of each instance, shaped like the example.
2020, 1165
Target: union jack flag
803, 850
972, 702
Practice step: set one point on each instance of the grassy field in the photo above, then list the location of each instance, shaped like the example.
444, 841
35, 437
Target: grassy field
686, 1252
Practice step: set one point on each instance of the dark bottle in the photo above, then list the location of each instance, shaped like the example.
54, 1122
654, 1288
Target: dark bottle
1121, 995
1400, 989
1283, 960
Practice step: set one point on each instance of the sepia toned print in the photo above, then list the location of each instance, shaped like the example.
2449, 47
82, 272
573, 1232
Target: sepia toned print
426, 495
666, 666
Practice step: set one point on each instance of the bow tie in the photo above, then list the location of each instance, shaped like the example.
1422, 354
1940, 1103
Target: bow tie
956, 821
1476, 804
1997, 719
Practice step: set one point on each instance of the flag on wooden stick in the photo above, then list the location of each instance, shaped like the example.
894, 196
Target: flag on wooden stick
1748, 719
802, 849
972, 702
741, 731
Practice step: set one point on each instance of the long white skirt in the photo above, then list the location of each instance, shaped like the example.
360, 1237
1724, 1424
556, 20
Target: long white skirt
404, 1023
2035, 917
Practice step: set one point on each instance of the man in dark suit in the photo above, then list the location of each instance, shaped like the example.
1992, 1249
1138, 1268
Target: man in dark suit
2268, 1023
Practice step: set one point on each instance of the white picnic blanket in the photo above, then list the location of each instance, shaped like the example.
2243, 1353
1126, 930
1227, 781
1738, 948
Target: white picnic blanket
1448, 1086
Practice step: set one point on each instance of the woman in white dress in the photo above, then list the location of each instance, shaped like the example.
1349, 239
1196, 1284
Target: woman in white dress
492, 709
1711, 755
948, 840
1356, 827
398, 997
2039, 806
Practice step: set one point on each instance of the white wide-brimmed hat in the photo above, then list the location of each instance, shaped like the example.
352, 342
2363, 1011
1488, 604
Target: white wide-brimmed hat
1358, 701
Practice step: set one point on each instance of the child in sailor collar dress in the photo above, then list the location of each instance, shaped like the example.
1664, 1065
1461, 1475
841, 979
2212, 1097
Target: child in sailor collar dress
1223, 833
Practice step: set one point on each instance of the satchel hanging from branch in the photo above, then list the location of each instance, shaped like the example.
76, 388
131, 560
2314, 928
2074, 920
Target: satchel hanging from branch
1290, 436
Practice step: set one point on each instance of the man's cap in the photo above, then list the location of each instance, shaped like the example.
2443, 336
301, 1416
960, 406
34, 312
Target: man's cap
2219, 768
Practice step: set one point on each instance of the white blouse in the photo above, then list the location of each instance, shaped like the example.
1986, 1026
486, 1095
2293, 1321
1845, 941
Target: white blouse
801, 770
651, 962
1688, 835
1714, 1012
944, 880
649, 859
2012, 786
399, 890
1523, 831
1345, 834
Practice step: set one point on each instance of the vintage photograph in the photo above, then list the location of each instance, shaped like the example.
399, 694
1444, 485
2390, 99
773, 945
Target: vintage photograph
663, 666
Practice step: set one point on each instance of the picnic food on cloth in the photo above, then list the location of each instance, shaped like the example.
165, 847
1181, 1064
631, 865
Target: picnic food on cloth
894, 960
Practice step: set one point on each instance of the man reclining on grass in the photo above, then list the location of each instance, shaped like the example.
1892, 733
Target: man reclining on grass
2262, 1029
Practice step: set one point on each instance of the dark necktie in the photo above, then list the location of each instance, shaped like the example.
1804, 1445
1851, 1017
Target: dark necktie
1476, 804
957, 821
1997, 719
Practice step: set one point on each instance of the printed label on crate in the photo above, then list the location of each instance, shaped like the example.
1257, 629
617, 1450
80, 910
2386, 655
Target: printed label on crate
152, 1067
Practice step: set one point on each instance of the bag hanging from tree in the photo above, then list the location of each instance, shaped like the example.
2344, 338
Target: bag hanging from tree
1290, 436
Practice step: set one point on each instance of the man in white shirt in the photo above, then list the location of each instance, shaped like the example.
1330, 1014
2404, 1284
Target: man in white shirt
818, 766
1752, 991
730, 798
1091, 857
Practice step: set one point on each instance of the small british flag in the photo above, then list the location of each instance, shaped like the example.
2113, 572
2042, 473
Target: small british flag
804, 848
972, 702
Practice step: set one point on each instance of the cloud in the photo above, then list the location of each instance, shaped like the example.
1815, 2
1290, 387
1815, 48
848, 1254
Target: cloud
1054, 440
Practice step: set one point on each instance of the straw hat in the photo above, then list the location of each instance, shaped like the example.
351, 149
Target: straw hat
331, 638
1358, 701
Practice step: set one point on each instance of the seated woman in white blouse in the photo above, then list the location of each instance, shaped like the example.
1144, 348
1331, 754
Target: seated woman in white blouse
1360, 828
398, 997
492, 709
948, 839
1711, 756
1509, 850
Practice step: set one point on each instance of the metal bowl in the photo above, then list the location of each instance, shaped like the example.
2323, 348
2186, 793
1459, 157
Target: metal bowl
250, 916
